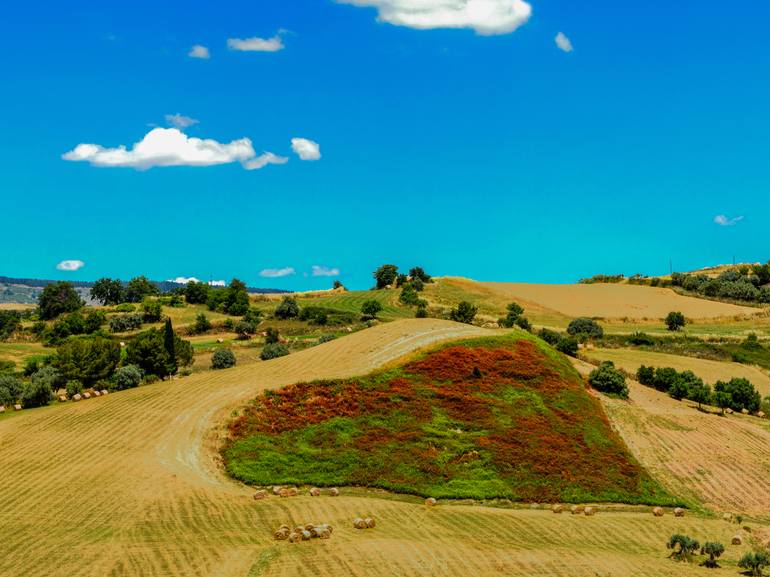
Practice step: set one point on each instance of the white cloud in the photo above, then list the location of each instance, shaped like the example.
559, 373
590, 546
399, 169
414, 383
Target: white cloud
277, 272
306, 149
180, 120
564, 43
722, 220
166, 147
325, 271
263, 160
186, 279
70, 265
486, 17
255, 44
199, 51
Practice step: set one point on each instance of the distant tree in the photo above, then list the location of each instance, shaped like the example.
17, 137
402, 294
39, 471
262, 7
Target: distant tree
125, 323
513, 314
58, 298
39, 390
422, 309
222, 359
196, 292
646, 376
273, 350
147, 351
682, 547
408, 295
73, 388
722, 400
754, 562
139, 288
568, 346
10, 322
741, 393
370, 308
127, 377
700, 394
714, 550
607, 379
10, 389
418, 272
272, 336
152, 311
287, 309
641, 339
385, 276
202, 324
551, 337
245, 330
401, 280
338, 285
465, 312
675, 321
417, 284
664, 378
237, 298
87, 360
586, 328
169, 343
253, 315
678, 390
93, 321
524, 324
108, 291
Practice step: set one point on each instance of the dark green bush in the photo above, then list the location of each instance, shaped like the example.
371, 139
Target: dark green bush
222, 359
274, 350
585, 327
607, 379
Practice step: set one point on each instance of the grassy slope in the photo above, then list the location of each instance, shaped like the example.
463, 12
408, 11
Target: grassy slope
431, 427
351, 301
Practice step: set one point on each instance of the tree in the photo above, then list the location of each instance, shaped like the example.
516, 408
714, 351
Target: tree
253, 315
370, 308
675, 321
196, 292
549, 336
108, 291
714, 550
10, 389
287, 309
73, 388
607, 379
586, 328
514, 312
722, 400
245, 330
646, 376
338, 285
222, 359
465, 312
58, 298
422, 309
408, 295
386, 275
147, 351
273, 351
754, 562
10, 322
125, 323
418, 273
567, 345
169, 343
127, 377
682, 547
700, 394
152, 311
139, 288
524, 324
741, 393
237, 298
87, 360
272, 336
202, 324
39, 390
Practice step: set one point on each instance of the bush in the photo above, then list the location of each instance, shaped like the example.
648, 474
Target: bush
370, 308
272, 336
73, 388
202, 324
253, 315
585, 327
38, 392
754, 562
645, 376
607, 379
125, 323
509, 320
151, 351
273, 350
465, 312
245, 330
385, 275
287, 309
325, 338
222, 359
739, 394
422, 310
549, 336
125, 308
409, 295
10, 389
87, 360
641, 339
152, 311
524, 324
567, 345
10, 322
127, 377
58, 298
675, 321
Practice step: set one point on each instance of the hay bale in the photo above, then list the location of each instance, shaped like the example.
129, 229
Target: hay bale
761, 414
76, 397
557, 508
285, 527
17, 407
220, 340
737, 539
325, 534
729, 411
658, 511
370, 523
259, 495
359, 523
744, 411
105, 392
430, 502
315, 492
86, 395
334, 492
277, 490
727, 517
576, 509
62, 398
2, 409
306, 536
534, 505
292, 491
283, 493
309, 526
281, 535
590, 511
678, 512
299, 529
295, 537
97, 394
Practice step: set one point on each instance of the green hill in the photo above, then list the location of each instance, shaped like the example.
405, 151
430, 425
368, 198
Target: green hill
501, 417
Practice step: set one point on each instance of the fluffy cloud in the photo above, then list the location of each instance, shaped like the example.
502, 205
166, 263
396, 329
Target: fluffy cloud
255, 44
564, 43
180, 120
172, 147
486, 17
70, 265
722, 220
186, 279
325, 271
306, 149
199, 51
263, 160
277, 272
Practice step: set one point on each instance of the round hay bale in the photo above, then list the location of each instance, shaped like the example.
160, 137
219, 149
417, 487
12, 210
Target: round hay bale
678, 512
430, 502
325, 534
298, 529
744, 411
292, 491
370, 523
284, 527
277, 490
576, 509
283, 493
590, 511
658, 511
315, 492
727, 517
281, 535
76, 397
17, 407
534, 505
259, 495
309, 526
729, 411
334, 492
86, 395
105, 392
295, 537
557, 508
2, 408
761, 414
97, 394
220, 340
359, 523
737, 540
122, 344
62, 398
306, 536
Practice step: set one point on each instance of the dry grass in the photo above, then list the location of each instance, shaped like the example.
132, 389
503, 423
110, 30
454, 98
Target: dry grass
710, 371
127, 486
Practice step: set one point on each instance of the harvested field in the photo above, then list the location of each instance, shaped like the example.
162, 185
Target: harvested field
710, 371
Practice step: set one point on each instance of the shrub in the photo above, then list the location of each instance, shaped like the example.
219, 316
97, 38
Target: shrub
152, 311
370, 308
325, 338
465, 312
682, 547
39, 390
273, 350
509, 320
523, 323
422, 310
125, 323
127, 377
10, 322
287, 309
10, 389
549, 336
714, 550
272, 336
567, 345
740, 393
222, 359
73, 388
338, 285
646, 376
641, 339
245, 330
409, 295
607, 379
675, 321
202, 324
253, 315
125, 308
585, 327
754, 562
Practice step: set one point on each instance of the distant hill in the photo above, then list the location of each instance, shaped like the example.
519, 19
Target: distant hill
27, 290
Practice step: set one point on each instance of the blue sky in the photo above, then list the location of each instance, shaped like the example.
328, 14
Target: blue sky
476, 150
